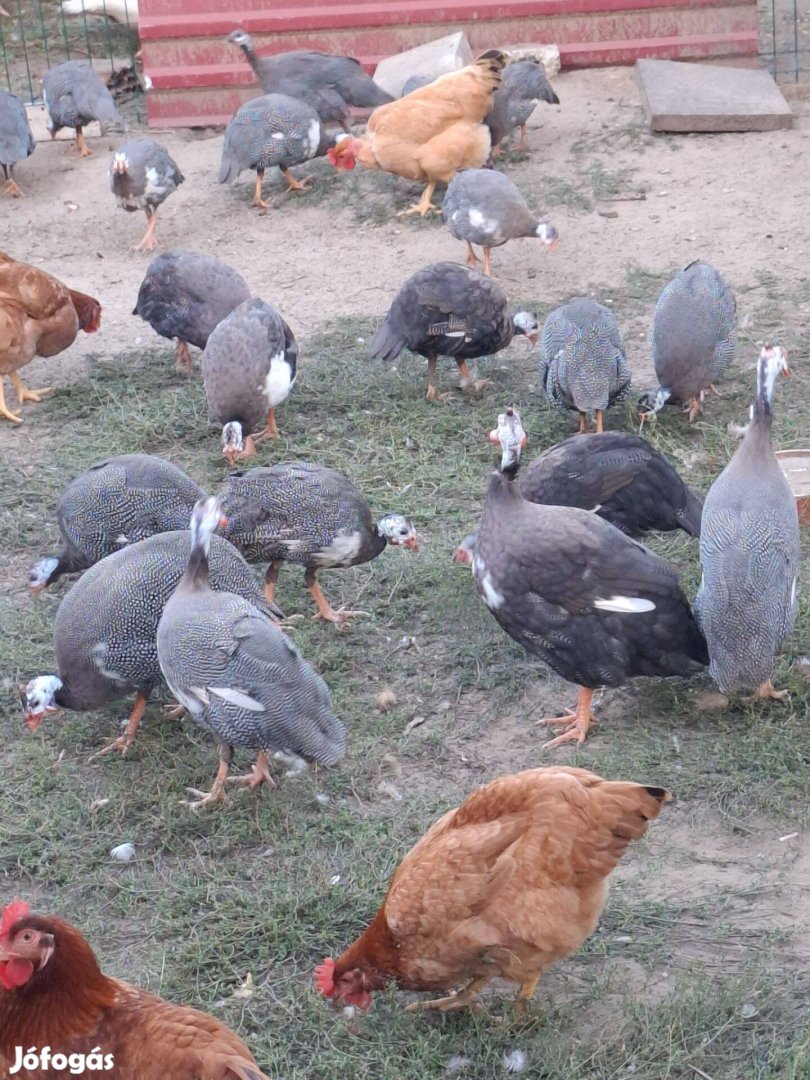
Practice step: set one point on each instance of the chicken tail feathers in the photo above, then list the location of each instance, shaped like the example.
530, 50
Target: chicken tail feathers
387, 344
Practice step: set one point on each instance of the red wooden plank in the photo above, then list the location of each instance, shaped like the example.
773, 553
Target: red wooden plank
692, 47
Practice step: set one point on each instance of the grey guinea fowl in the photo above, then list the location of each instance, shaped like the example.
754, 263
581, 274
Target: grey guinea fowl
311, 515
272, 130
16, 140
449, 310
523, 86
116, 502
749, 551
249, 366
185, 295
239, 676
582, 361
694, 335
142, 176
104, 634
75, 95
415, 82
484, 207
329, 84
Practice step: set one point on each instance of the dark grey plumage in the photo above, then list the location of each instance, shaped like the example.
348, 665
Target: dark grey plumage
16, 139
142, 176
75, 95
116, 502
582, 361
694, 336
523, 86
750, 553
329, 84
237, 673
185, 296
415, 82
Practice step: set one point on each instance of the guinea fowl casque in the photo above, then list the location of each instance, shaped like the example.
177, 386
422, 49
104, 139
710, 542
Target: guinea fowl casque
694, 336
432, 132
524, 85
593, 604
328, 84
142, 176
116, 502
582, 361
105, 629
54, 996
240, 677
184, 296
503, 886
449, 310
249, 367
750, 554
16, 140
484, 207
75, 95
310, 515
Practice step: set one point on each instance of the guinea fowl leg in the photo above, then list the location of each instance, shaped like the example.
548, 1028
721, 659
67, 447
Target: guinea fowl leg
487, 264
432, 393
600, 430
12, 188
765, 692
23, 392
270, 581
713, 390
259, 774
149, 243
123, 742
257, 194
424, 206
583, 424
296, 185
182, 357
78, 146
582, 717
472, 258
3, 410
271, 431
694, 409
217, 792
460, 1000
325, 609
467, 381
522, 142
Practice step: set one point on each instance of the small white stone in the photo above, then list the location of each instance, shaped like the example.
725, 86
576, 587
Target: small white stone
322, 798
514, 1061
124, 852
335, 879
348, 1011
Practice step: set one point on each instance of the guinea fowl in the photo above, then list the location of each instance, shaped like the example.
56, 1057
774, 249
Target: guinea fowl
185, 296
582, 361
75, 95
415, 82
593, 604
484, 207
694, 335
749, 551
116, 502
16, 139
523, 86
329, 84
249, 368
311, 515
104, 634
142, 176
238, 675
449, 310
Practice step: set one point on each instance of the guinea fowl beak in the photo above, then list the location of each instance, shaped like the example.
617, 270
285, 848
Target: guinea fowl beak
412, 543
33, 720
223, 521
493, 437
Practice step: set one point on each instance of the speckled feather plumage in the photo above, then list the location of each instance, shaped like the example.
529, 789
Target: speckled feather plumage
523, 86
75, 95
484, 207
151, 177
272, 130
16, 139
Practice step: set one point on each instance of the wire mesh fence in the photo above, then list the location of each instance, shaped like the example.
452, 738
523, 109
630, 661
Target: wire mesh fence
784, 39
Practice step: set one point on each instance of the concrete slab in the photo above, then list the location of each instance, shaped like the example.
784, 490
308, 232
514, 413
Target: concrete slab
433, 59
547, 55
707, 97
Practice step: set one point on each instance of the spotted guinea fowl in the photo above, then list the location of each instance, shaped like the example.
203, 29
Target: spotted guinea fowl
749, 551
310, 515
329, 84
104, 634
142, 176
116, 502
523, 86
694, 336
272, 130
16, 140
582, 361
185, 296
484, 207
75, 95
594, 605
449, 310
239, 676
249, 367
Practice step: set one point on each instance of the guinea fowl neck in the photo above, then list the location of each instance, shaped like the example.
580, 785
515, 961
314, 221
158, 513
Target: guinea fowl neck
196, 574
763, 405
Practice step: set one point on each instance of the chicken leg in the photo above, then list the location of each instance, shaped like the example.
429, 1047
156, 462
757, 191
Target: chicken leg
460, 1000
4, 410
257, 194
259, 774
325, 609
582, 719
23, 392
525, 994
424, 206
296, 185
148, 243
695, 408
123, 742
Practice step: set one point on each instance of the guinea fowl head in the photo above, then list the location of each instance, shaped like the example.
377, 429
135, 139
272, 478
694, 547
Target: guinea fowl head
206, 518
526, 323
465, 550
651, 403
398, 531
42, 573
547, 234
772, 363
511, 438
241, 38
120, 164
235, 444
38, 697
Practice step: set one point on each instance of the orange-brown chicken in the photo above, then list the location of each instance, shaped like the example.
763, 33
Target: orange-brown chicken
53, 994
431, 133
505, 885
39, 316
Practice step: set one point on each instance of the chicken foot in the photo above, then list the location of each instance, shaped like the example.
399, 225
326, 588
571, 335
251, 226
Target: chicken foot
325, 609
461, 1000
765, 692
271, 431
425, 205
259, 774
525, 994
123, 742
582, 719
4, 410
24, 393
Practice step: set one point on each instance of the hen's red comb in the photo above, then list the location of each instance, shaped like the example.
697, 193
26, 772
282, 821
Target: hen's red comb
324, 977
12, 913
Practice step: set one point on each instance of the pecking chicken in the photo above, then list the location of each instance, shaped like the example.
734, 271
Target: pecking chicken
53, 994
503, 886
432, 132
39, 316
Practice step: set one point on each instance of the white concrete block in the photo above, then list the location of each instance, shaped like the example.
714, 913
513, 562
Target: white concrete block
432, 59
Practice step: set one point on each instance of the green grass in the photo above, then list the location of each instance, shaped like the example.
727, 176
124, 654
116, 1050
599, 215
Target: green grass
270, 884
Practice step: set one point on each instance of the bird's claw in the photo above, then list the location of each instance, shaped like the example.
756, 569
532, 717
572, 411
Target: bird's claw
122, 743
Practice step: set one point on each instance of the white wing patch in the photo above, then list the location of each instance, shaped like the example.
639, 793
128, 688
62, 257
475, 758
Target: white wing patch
314, 136
492, 597
625, 605
236, 697
278, 135
344, 548
478, 221
278, 380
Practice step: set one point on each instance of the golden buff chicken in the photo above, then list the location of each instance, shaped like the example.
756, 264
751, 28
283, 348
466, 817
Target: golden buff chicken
39, 316
504, 886
432, 132
55, 999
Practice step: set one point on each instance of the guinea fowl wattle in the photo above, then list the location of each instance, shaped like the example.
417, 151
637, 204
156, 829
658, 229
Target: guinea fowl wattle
593, 604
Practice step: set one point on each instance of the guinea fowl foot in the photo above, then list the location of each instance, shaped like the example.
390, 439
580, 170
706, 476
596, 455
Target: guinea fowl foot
472, 258
262, 204
215, 795
296, 185
469, 382
259, 774
695, 409
124, 741
182, 357
582, 717
174, 712
765, 692
713, 390
464, 999
12, 188
434, 395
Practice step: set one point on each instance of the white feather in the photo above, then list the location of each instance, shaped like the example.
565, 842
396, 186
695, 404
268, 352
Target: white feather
492, 597
626, 605
236, 697
314, 136
278, 135
344, 548
478, 221
278, 380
